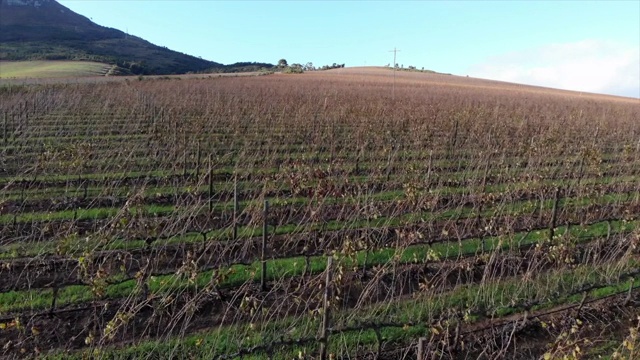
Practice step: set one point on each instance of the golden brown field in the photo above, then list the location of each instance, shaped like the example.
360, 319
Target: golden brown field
320, 215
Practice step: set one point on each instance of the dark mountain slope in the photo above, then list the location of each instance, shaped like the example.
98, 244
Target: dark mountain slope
46, 30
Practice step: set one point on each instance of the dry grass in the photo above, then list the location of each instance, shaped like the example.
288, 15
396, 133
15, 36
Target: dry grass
438, 207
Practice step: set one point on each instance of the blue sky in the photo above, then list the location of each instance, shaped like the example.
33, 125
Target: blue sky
578, 45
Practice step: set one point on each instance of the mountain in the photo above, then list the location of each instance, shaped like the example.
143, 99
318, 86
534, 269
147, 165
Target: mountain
47, 30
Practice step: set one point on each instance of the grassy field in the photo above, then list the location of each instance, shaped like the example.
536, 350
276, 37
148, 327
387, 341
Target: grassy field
51, 69
317, 216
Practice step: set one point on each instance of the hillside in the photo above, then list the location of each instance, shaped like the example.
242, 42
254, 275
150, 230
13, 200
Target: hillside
54, 69
428, 79
46, 30
218, 216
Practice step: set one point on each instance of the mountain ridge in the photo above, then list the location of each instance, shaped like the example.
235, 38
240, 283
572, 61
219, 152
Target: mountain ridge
47, 30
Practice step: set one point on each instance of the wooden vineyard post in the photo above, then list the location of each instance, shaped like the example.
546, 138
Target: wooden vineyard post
235, 208
55, 297
420, 352
155, 122
184, 163
15, 121
198, 163
454, 138
324, 335
263, 275
4, 129
152, 121
210, 183
55, 289
390, 162
554, 215
580, 172
482, 231
484, 191
484, 177
429, 168
628, 298
378, 342
584, 298
174, 122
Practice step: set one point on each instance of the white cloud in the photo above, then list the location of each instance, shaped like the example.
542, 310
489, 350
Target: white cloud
590, 65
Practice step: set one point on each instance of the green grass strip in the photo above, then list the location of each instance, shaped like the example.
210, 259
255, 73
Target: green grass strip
281, 268
417, 315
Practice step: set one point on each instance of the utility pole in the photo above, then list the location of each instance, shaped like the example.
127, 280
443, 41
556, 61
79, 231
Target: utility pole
393, 93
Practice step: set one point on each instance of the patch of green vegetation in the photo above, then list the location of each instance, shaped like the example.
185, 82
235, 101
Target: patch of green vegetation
412, 318
81, 245
237, 275
603, 350
51, 69
85, 214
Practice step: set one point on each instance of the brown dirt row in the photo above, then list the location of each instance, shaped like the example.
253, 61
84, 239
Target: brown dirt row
39, 272
164, 226
80, 202
78, 182
155, 315
393, 168
528, 335
343, 154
